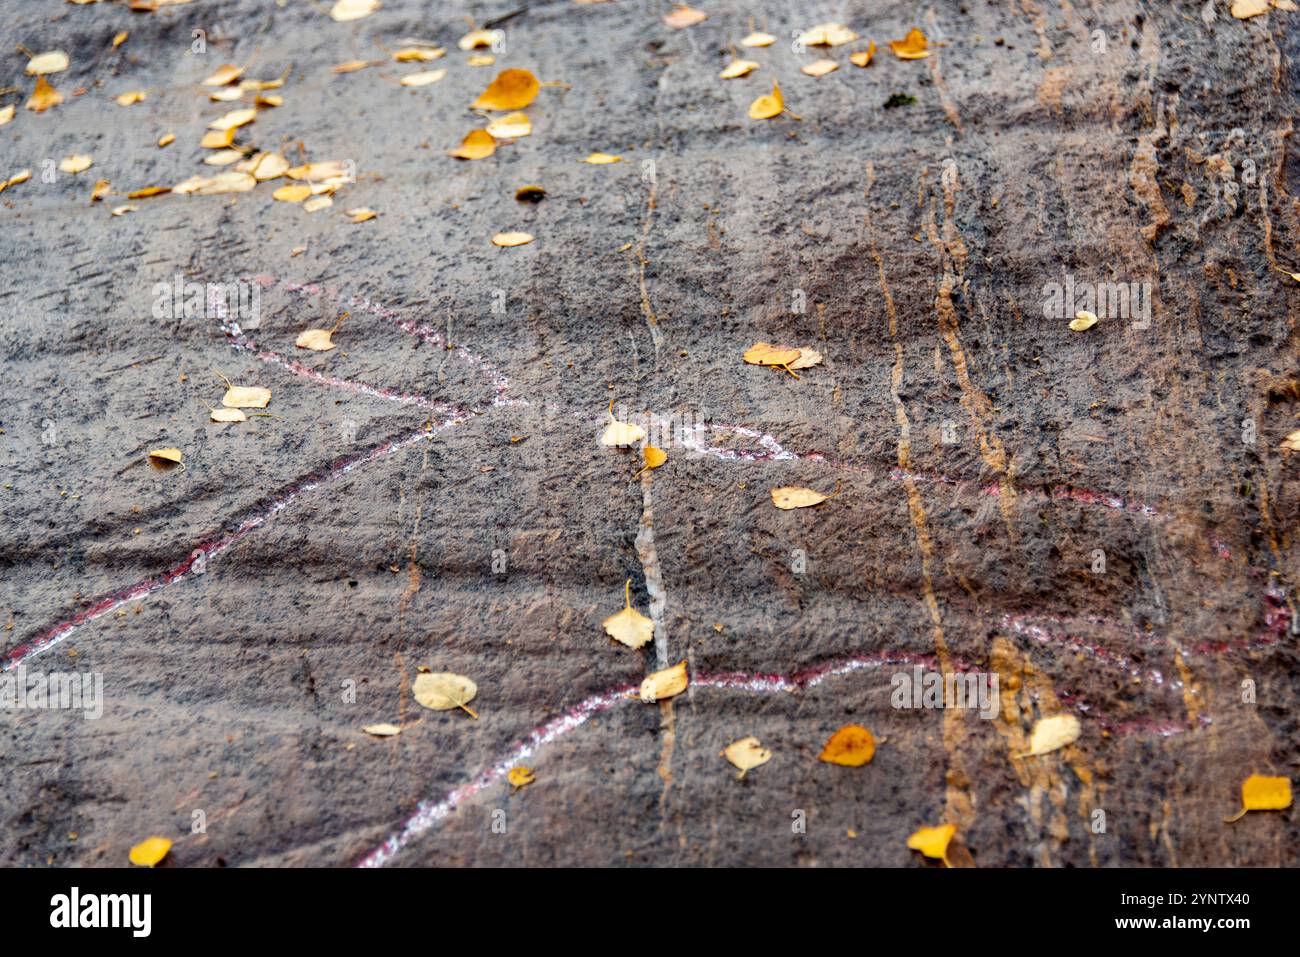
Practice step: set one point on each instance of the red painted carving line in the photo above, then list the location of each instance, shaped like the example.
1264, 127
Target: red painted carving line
212, 547
430, 813
243, 343
496, 378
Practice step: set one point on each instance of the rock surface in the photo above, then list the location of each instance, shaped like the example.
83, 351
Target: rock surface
432, 492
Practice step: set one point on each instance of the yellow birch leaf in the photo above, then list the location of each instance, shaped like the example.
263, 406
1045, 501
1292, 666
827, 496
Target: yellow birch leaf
682, 16
317, 203
246, 397
317, 340
123, 210
477, 144
228, 182
326, 171
521, 776
6, 114
228, 415
148, 191
270, 99
217, 139
292, 193
444, 691
227, 94
863, 57
44, 96
1292, 442
758, 40
351, 66
99, 190
530, 194
807, 359
792, 496
264, 166
233, 119
768, 105
511, 90
629, 627
665, 684
766, 354
360, 214
602, 159
120, 39
620, 433
382, 730
167, 139
912, 47
511, 126
22, 176
478, 39
417, 54
224, 74
738, 68
424, 78
482, 59
827, 35
1261, 793
1245, 9
76, 163
506, 240
1052, 733
165, 457
819, 67
1083, 321
150, 851
345, 10
130, 97
56, 61
746, 754
222, 158
933, 841
851, 746
654, 456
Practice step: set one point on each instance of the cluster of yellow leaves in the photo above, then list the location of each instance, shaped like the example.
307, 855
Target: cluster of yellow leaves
236, 399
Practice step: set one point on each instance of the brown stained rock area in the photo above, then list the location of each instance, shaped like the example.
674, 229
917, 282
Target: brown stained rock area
983, 452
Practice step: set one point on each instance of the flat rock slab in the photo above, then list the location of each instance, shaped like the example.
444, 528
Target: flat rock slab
1103, 521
